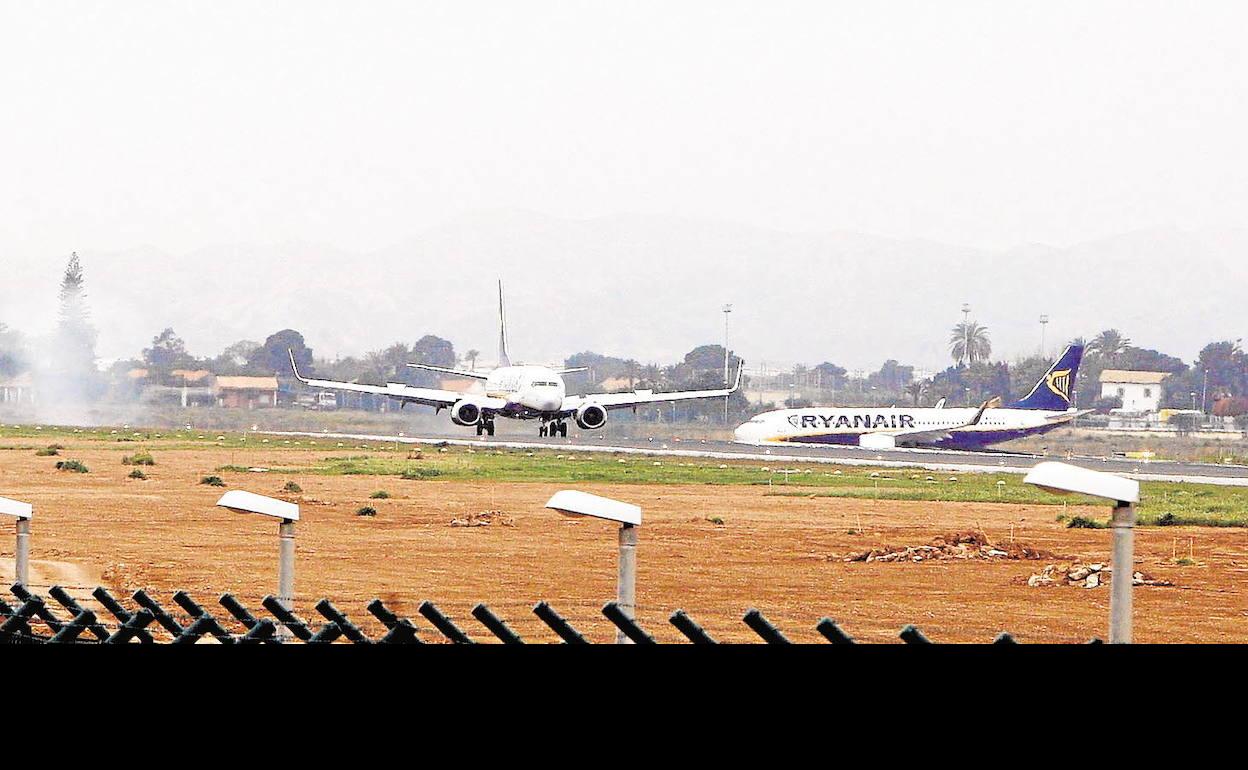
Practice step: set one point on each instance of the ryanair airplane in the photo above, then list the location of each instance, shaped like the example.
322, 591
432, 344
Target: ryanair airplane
1046, 407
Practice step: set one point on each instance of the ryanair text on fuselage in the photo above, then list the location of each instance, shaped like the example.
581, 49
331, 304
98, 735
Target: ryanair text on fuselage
1046, 407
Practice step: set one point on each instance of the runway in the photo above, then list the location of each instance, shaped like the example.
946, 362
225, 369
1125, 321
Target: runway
940, 460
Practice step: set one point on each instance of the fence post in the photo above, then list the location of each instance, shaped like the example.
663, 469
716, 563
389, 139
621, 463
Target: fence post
496, 625
832, 632
625, 623
689, 627
557, 624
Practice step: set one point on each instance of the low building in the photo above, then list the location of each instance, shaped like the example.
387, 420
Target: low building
19, 389
1140, 391
245, 392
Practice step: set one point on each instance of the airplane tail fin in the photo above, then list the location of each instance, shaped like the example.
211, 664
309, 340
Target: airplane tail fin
503, 358
1053, 392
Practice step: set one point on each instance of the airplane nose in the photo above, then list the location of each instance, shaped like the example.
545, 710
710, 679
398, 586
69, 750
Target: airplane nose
746, 433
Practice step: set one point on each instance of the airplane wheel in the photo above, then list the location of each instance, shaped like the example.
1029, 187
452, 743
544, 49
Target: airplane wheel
541, 432
563, 429
480, 429
489, 428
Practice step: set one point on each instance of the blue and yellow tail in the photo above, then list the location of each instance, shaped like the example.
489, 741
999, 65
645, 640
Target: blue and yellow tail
1053, 392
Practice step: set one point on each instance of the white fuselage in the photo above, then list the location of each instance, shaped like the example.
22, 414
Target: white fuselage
948, 427
531, 388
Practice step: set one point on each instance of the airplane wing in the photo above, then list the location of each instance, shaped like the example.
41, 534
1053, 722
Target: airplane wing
639, 397
395, 390
456, 372
887, 438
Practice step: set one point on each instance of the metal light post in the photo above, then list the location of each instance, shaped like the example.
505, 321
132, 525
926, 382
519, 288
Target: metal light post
572, 503
1061, 478
727, 310
1044, 322
1204, 392
288, 513
22, 512
966, 332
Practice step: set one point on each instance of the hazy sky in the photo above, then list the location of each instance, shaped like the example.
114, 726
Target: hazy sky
986, 124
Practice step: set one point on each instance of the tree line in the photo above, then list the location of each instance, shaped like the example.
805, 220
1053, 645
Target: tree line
1219, 372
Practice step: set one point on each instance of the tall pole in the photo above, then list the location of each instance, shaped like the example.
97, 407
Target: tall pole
727, 310
966, 332
1204, 391
1123, 526
286, 570
626, 582
21, 556
1044, 322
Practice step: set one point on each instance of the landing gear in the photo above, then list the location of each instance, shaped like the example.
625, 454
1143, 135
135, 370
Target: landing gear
552, 429
485, 426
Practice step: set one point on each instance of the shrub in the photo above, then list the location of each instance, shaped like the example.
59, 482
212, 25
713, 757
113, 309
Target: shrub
71, 465
380, 494
51, 451
716, 520
367, 510
1166, 520
1082, 522
138, 474
138, 458
292, 487
212, 481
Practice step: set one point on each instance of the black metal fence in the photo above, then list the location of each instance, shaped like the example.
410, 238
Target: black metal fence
32, 619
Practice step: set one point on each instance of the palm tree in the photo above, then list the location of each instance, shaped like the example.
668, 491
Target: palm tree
471, 355
915, 390
969, 343
1109, 344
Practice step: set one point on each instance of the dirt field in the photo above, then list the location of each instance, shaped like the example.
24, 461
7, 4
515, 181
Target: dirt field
770, 552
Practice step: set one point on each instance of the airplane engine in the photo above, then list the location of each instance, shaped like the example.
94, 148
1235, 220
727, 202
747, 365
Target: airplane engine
591, 417
465, 413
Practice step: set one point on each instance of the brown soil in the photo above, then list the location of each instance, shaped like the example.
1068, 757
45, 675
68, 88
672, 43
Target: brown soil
772, 553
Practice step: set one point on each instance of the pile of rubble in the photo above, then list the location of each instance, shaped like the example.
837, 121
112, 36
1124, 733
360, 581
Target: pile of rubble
1087, 576
959, 545
484, 519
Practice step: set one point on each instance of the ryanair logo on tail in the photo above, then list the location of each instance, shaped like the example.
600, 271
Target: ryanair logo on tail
1059, 383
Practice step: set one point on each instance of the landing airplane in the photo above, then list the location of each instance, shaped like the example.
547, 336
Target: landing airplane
1046, 407
522, 392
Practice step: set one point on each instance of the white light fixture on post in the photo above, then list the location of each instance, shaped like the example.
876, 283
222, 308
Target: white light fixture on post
572, 503
22, 512
288, 513
1124, 493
